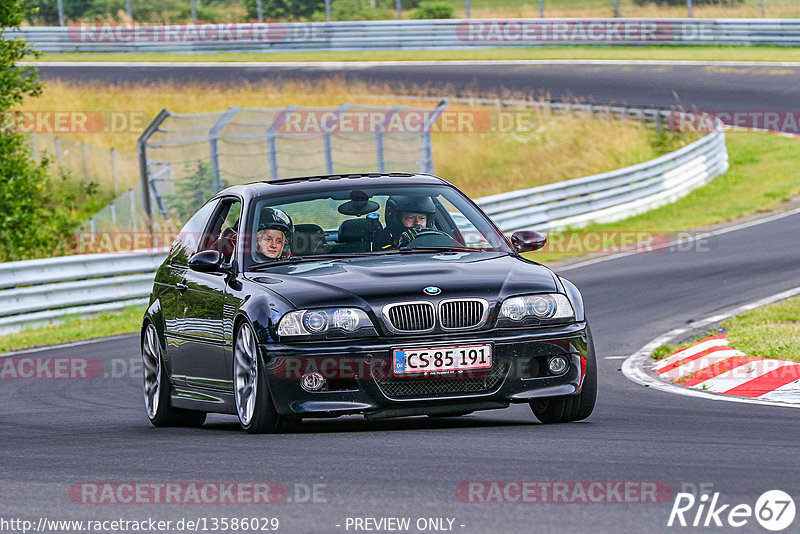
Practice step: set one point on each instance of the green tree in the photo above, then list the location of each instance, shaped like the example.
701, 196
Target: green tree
46, 11
27, 225
433, 10
284, 9
192, 192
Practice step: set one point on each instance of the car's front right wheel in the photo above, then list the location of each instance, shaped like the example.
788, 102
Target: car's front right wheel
575, 407
254, 406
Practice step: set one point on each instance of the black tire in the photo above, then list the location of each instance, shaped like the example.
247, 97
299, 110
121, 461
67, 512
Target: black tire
265, 419
575, 407
163, 414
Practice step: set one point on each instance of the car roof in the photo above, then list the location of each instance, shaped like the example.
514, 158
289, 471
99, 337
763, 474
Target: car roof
329, 181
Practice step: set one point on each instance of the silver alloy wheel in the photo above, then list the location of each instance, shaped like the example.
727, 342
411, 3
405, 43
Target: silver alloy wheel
245, 368
151, 356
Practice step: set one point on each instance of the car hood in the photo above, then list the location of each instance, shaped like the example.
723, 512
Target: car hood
372, 281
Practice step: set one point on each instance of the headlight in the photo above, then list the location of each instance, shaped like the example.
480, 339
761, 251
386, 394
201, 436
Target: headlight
314, 322
542, 307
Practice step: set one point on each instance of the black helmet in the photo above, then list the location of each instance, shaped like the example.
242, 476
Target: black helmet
275, 219
396, 205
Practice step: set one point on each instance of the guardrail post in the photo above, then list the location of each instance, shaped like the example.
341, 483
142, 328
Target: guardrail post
272, 134
57, 141
213, 138
541, 9
466, 8
141, 146
379, 136
128, 9
60, 13
426, 165
132, 198
166, 169
326, 138
616, 8
85, 161
399, 5
260, 10
113, 155
689, 8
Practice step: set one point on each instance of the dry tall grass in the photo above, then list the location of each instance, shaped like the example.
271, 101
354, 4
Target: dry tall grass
556, 148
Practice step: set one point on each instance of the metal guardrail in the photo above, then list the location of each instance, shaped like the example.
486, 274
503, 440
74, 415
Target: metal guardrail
613, 195
409, 34
38, 292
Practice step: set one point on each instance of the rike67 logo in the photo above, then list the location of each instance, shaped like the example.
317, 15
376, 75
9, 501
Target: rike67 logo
774, 510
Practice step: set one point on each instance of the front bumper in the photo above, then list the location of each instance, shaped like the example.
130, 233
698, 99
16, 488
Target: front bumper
360, 382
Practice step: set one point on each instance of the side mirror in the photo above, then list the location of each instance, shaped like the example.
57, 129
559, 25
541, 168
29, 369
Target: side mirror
527, 240
207, 261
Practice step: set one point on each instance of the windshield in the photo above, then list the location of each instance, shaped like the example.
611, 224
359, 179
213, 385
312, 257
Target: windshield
367, 220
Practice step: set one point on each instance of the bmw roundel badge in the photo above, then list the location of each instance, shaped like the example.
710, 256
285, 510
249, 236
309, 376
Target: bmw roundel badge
432, 290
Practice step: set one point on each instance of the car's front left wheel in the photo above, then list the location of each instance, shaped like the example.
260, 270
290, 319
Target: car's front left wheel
254, 406
157, 387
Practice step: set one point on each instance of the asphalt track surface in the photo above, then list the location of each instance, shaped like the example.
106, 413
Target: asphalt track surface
727, 87
57, 433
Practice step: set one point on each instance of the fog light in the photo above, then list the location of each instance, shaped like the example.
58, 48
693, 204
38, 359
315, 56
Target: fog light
557, 365
312, 382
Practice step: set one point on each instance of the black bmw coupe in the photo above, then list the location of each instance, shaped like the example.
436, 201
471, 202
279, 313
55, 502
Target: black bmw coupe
383, 295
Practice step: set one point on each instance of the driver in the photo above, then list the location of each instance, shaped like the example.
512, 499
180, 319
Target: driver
273, 236
406, 218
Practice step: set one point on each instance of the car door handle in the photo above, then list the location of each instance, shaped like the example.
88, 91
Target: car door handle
181, 287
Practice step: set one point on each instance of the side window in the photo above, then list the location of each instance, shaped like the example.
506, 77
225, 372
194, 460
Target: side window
221, 235
188, 239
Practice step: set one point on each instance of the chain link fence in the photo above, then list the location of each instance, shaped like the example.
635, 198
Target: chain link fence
187, 158
109, 168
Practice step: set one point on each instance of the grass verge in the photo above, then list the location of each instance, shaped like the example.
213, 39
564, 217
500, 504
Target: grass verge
769, 332
665, 53
74, 328
481, 162
764, 172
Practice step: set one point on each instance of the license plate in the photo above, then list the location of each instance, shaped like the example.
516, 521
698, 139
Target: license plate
442, 359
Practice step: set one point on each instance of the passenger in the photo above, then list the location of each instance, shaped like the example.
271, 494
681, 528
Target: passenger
406, 217
274, 235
